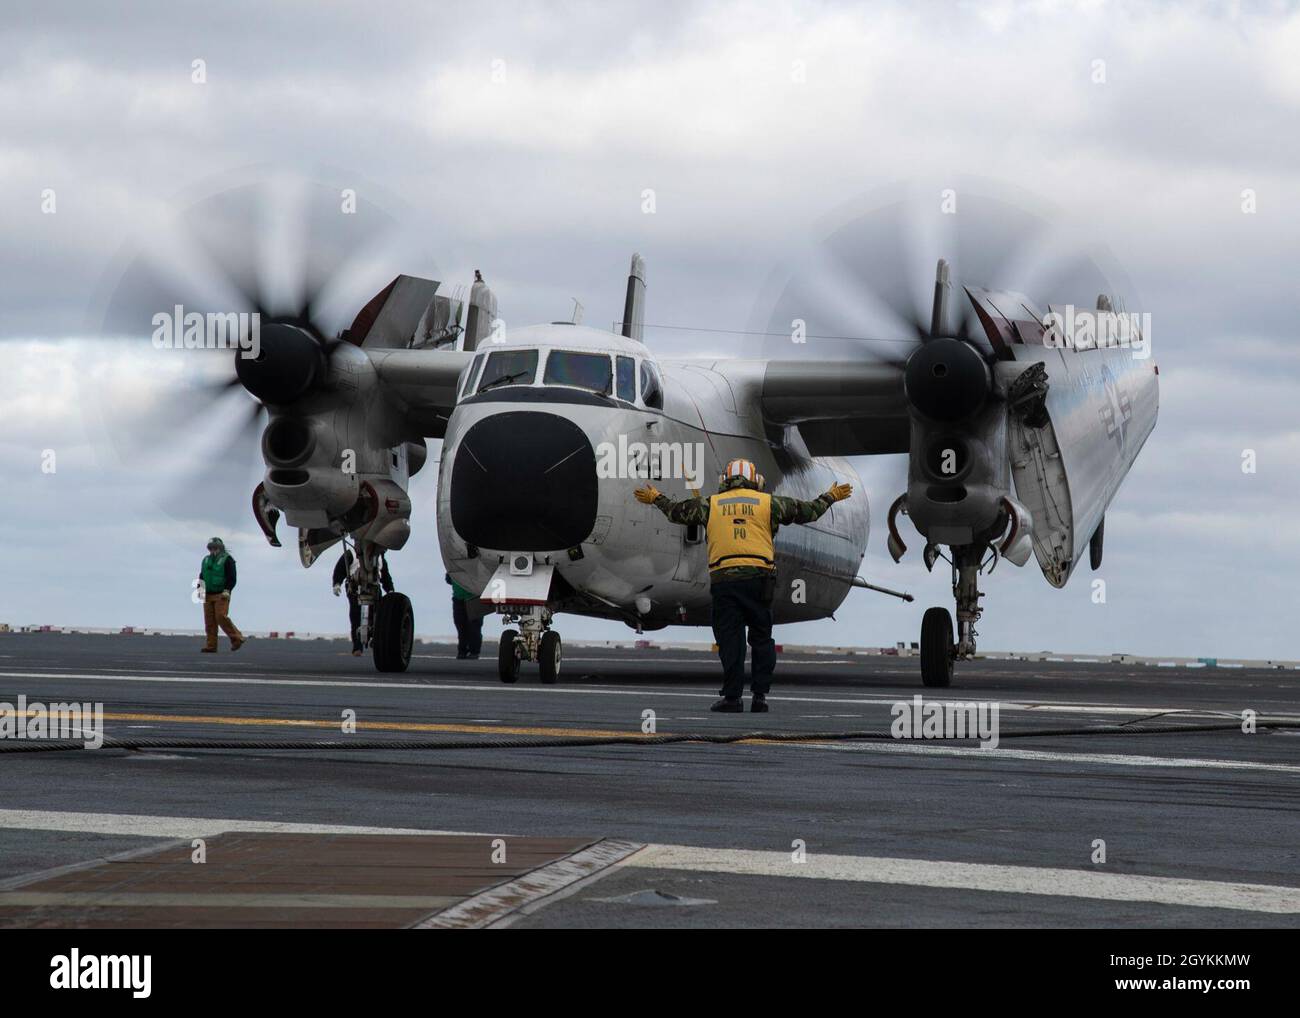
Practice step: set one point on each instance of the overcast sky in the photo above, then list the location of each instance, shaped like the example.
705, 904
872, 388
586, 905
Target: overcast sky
521, 139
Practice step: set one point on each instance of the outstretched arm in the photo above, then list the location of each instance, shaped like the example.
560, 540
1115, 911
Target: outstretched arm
797, 510
686, 511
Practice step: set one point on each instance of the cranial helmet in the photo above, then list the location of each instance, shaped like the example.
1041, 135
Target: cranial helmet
742, 468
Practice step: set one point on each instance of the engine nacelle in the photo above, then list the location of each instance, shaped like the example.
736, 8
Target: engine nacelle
958, 474
303, 477
311, 497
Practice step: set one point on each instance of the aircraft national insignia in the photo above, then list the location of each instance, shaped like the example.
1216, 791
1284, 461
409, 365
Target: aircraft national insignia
1117, 412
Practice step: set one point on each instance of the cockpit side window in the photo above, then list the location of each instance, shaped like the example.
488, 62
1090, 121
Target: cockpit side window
625, 370
580, 370
652, 394
471, 376
509, 367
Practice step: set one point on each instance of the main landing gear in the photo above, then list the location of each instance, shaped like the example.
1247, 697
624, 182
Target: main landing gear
387, 621
938, 650
534, 640
394, 633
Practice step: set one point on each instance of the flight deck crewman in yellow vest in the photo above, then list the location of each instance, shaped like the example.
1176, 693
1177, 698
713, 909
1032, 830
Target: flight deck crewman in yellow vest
740, 523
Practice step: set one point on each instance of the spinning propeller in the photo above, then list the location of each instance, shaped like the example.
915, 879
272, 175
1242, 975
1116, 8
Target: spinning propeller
274, 268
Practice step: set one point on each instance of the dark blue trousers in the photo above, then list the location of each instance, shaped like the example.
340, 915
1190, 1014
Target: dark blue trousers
740, 605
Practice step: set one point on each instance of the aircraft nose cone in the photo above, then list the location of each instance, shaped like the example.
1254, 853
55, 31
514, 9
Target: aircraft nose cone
524, 481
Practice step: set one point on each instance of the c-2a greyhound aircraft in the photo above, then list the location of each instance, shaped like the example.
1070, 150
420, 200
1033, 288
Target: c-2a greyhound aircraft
1017, 437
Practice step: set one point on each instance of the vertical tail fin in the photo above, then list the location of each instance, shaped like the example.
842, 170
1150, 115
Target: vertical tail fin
634, 306
939, 313
482, 313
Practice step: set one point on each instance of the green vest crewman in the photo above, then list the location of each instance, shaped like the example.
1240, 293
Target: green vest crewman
217, 574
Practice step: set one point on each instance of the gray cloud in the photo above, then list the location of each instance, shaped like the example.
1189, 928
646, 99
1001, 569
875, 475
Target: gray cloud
752, 125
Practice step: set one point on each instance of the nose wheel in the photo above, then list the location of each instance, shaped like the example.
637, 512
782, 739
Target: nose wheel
534, 640
509, 655
548, 657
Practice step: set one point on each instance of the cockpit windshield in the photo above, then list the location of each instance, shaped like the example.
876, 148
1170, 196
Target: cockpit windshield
509, 367
580, 370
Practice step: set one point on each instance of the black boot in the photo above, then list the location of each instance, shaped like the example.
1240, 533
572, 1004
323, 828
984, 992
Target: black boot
759, 704
728, 706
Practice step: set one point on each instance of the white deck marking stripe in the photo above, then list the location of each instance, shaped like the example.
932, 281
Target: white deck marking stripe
180, 827
1048, 756
863, 869
497, 687
1059, 883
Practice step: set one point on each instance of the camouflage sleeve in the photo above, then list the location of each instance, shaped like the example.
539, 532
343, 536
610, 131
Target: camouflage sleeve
688, 511
795, 510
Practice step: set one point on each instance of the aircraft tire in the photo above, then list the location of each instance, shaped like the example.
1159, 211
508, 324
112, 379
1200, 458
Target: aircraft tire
508, 657
394, 633
548, 657
936, 648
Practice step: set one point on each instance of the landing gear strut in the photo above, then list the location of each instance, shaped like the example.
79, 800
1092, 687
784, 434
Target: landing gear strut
938, 651
534, 640
966, 565
387, 621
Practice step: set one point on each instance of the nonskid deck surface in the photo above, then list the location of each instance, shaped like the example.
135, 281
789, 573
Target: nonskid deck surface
1198, 829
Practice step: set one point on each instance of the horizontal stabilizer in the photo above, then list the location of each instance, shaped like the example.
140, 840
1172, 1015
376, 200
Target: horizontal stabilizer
391, 318
440, 324
1009, 319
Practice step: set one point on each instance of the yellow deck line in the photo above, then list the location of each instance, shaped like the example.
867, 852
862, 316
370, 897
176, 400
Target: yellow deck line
380, 726
392, 726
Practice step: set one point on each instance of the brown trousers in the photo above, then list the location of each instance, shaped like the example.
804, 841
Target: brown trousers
216, 612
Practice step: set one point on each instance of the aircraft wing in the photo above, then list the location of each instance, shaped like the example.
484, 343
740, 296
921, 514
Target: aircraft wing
424, 381
842, 408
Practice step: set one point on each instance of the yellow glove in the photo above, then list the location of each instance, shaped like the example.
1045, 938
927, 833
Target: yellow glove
648, 494
839, 492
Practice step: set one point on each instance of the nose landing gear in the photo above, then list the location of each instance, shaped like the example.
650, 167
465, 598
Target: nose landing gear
534, 640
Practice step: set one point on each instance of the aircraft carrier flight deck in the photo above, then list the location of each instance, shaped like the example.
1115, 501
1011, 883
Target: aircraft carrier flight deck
508, 817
